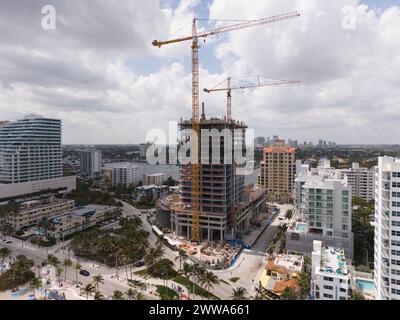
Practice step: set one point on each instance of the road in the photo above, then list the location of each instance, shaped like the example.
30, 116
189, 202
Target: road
247, 268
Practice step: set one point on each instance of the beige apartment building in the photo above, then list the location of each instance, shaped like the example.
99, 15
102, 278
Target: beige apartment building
278, 170
32, 212
155, 179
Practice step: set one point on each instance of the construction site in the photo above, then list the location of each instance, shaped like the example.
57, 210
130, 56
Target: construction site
212, 205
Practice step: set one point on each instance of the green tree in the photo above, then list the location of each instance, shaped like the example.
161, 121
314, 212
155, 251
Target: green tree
34, 285
5, 253
98, 279
304, 284
239, 293
118, 295
52, 260
131, 294
356, 295
209, 279
88, 290
78, 268
181, 257
98, 296
67, 263
289, 294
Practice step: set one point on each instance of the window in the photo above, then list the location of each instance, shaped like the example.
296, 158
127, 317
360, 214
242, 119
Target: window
328, 279
330, 296
396, 213
343, 290
395, 223
345, 193
328, 287
395, 233
395, 252
395, 204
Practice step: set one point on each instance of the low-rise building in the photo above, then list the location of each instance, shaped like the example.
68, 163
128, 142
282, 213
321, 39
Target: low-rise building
330, 278
156, 178
75, 220
152, 192
282, 272
32, 212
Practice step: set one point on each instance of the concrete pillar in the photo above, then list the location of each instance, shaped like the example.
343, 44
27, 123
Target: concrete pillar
208, 234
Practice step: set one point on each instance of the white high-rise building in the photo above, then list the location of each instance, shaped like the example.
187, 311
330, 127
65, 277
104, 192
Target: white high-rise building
30, 150
31, 158
323, 210
125, 174
387, 229
361, 181
90, 162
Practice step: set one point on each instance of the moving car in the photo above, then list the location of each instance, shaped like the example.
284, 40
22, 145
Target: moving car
84, 273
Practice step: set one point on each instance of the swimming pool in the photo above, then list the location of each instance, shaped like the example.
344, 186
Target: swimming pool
365, 285
301, 227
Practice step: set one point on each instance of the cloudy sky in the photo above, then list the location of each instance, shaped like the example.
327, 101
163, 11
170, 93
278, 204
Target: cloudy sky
99, 73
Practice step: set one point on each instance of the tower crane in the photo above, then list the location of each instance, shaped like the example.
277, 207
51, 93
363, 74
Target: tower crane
229, 89
194, 37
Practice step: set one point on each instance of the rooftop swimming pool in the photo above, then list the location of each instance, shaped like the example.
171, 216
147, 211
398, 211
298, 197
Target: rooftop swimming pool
365, 285
301, 227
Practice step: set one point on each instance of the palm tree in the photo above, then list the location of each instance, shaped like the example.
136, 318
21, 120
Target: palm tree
98, 296
88, 289
188, 271
67, 263
5, 253
209, 279
35, 284
307, 263
181, 257
356, 295
59, 272
97, 280
52, 260
78, 267
130, 293
140, 296
118, 295
239, 293
198, 275
288, 294
304, 284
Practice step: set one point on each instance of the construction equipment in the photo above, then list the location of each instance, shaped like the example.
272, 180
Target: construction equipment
195, 165
229, 89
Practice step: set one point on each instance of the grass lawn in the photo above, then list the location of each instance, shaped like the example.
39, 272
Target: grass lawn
185, 282
234, 279
167, 293
197, 289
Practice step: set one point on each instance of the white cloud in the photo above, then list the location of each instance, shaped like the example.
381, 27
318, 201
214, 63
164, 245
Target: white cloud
82, 72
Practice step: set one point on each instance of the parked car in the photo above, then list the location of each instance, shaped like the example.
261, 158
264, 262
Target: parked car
84, 273
139, 264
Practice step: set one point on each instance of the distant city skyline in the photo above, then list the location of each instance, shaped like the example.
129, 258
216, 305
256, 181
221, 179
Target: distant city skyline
109, 85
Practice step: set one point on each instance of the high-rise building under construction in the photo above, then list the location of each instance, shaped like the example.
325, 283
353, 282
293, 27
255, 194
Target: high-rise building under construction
225, 208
